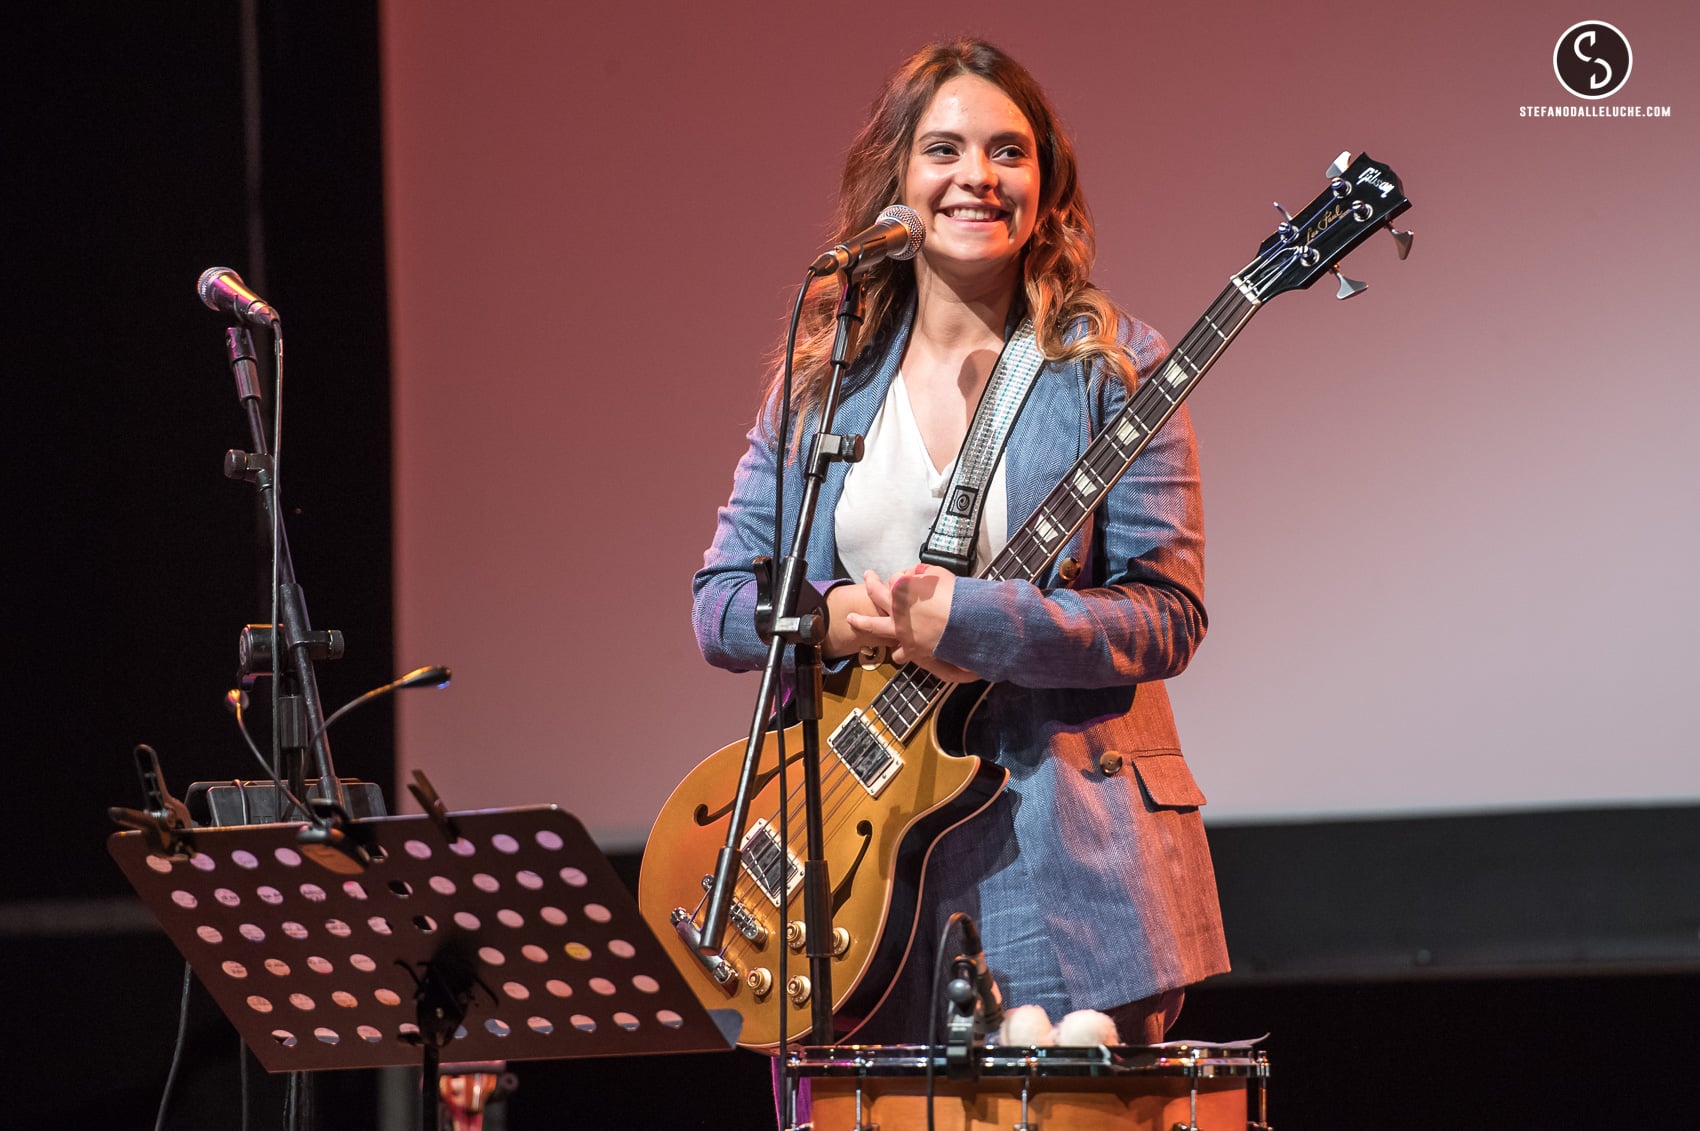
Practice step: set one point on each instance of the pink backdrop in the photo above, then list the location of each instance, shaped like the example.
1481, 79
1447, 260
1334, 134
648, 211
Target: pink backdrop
1451, 522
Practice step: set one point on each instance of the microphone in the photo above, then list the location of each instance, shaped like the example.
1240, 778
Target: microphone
223, 289
897, 234
985, 986
435, 675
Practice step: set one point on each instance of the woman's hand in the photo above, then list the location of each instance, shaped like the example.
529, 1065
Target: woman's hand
910, 617
846, 604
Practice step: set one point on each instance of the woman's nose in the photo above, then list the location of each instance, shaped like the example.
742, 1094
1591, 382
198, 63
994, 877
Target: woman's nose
977, 170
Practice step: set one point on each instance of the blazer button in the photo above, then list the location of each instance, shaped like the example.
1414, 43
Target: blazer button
1110, 762
1068, 569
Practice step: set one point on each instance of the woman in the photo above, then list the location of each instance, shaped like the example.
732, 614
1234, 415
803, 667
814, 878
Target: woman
1089, 875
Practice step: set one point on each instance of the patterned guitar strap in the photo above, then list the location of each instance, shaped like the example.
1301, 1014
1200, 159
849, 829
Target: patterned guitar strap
950, 543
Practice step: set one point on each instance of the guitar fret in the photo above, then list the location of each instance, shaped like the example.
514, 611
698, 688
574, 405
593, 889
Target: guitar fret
906, 700
1045, 532
1067, 508
1029, 555
1130, 429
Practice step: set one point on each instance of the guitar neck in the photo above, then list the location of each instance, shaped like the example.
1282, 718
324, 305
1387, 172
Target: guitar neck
909, 698
1032, 548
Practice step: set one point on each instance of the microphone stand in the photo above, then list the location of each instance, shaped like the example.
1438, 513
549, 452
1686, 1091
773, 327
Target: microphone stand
300, 724
796, 616
302, 717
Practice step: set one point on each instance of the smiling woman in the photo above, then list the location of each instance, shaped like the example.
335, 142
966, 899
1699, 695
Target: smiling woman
1089, 874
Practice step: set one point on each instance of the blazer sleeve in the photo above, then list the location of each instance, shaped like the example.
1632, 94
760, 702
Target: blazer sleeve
1139, 615
723, 592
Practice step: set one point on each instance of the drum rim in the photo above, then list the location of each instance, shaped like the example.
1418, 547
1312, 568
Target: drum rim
1029, 1060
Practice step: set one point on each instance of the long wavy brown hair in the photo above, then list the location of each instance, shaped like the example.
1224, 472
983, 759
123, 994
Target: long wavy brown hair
1056, 264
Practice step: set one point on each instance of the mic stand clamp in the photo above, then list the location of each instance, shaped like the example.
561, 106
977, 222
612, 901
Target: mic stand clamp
966, 1024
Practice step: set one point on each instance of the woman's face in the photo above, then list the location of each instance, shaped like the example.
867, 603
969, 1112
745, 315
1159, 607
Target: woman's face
973, 176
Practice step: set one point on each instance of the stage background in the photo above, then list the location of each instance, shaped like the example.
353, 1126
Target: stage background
1449, 521
1441, 712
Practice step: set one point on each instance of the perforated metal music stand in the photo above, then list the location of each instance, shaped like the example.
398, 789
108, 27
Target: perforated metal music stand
520, 919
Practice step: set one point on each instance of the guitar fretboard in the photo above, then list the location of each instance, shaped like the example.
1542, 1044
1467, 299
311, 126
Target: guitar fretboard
904, 704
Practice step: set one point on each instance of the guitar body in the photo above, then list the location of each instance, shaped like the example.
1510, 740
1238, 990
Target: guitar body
876, 847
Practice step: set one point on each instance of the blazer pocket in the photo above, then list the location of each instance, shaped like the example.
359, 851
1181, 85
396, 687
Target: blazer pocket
1167, 781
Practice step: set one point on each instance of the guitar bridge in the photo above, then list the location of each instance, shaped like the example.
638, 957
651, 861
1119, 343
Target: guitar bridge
868, 753
745, 923
718, 968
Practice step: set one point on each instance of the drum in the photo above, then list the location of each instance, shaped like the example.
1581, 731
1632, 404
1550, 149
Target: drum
1127, 1088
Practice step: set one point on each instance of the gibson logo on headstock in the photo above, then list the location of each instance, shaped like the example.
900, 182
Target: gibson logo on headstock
1373, 178
1330, 216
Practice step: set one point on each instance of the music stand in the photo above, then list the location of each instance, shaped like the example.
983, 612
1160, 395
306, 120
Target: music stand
502, 933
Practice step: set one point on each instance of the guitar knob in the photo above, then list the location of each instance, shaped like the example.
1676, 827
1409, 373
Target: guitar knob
796, 935
760, 981
840, 942
798, 990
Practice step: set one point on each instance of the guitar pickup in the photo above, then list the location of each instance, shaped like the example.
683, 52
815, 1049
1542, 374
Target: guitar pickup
866, 752
768, 867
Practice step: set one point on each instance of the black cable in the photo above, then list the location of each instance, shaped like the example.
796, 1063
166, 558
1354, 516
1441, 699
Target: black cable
242, 1074
277, 564
787, 1109
176, 1052
933, 1018
234, 699
785, 414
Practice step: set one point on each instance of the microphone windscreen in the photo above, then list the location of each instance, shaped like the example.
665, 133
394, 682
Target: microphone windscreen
911, 221
209, 278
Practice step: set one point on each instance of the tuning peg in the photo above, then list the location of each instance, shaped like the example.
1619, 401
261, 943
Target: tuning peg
1341, 163
1348, 285
1402, 239
1285, 215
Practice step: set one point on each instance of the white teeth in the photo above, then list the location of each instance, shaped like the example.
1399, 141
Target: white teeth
972, 213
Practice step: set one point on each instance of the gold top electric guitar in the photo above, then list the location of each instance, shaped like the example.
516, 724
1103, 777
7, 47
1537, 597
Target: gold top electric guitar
892, 781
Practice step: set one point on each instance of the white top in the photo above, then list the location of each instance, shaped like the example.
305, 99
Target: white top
892, 496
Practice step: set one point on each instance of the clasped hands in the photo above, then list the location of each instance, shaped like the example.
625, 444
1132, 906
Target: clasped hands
906, 614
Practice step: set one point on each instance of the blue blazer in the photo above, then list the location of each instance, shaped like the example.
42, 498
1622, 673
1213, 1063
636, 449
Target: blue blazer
1092, 884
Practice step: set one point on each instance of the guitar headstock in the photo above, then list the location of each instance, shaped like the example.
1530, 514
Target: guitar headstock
1362, 196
